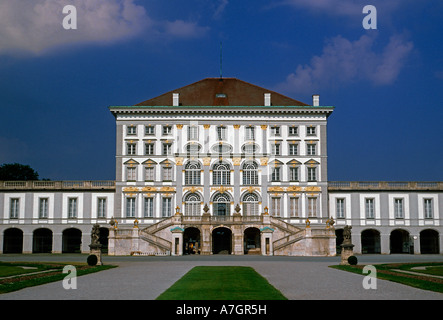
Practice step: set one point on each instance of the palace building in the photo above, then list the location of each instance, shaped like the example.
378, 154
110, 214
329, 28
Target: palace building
221, 166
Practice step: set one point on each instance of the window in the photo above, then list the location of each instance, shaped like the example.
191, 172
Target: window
131, 173
222, 148
293, 149
250, 204
132, 148
193, 148
312, 207
167, 149
166, 207
250, 173
311, 149
101, 207
131, 130
275, 131
310, 131
293, 207
275, 149
192, 173
428, 208
149, 149
221, 174
293, 131
249, 133
312, 174
148, 211
149, 130
167, 130
275, 206
369, 208
43, 208
192, 205
193, 133
14, 208
275, 175
250, 148
221, 205
293, 174
398, 208
221, 133
149, 173
340, 208
167, 173
130, 207
72, 208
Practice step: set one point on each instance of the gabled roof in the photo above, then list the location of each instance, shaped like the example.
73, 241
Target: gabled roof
221, 92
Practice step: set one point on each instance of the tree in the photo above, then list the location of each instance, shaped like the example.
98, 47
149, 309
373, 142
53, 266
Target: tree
17, 172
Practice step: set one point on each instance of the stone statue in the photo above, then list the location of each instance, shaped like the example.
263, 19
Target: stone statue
347, 235
113, 223
330, 223
95, 234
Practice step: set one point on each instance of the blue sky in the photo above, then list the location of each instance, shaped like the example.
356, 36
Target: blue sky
386, 84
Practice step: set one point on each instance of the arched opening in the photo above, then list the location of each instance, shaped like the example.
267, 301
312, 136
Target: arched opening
103, 238
429, 242
399, 241
252, 241
370, 241
193, 204
221, 241
71, 241
221, 205
13, 241
250, 204
191, 241
338, 240
42, 241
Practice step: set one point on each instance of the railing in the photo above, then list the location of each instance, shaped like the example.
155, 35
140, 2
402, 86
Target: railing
57, 185
385, 185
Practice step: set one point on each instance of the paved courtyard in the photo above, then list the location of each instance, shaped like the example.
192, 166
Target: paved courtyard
297, 278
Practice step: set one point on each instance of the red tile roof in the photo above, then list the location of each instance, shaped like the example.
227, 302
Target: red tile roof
221, 92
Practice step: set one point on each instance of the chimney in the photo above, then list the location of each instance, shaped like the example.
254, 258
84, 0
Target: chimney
175, 100
315, 100
267, 99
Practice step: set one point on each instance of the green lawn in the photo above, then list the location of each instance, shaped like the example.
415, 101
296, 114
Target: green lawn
222, 283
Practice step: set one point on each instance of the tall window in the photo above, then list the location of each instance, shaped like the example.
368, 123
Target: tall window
167, 130
43, 208
311, 149
193, 173
167, 149
149, 173
428, 208
340, 208
167, 173
250, 204
192, 133
132, 148
250, 173
101, 207
221, 133
369, 208
221, 205
14, 208
148, 211
294, 207
275, 174
250, 133
275, 149
293, 174
166, 207
131, 130
131, 173
310, 131
72, 208
130, 207
293, 149
398, 208
221, 174
275, 206
312, 174
192, 205
149, 149
312, 207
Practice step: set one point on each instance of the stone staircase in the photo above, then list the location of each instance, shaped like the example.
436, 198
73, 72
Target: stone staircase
148, 234
293, 233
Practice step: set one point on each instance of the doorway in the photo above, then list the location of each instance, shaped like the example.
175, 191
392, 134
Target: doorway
191, 241
252, 241
222, 241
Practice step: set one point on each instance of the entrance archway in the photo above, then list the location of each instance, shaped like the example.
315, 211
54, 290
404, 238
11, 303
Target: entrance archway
370, 241
222, 241
252, 241
191, 241
13, 241
103, 238
71, 239
42, 241
429, 242
399, 240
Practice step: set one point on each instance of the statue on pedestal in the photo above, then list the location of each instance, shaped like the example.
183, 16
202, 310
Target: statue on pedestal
96, 246
347, 246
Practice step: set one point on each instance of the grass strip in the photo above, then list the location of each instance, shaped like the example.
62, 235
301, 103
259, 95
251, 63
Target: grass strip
222, 283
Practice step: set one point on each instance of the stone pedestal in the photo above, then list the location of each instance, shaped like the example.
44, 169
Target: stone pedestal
96, 249
347, 250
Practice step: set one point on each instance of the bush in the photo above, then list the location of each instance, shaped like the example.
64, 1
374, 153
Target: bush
92, 260
352, 260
